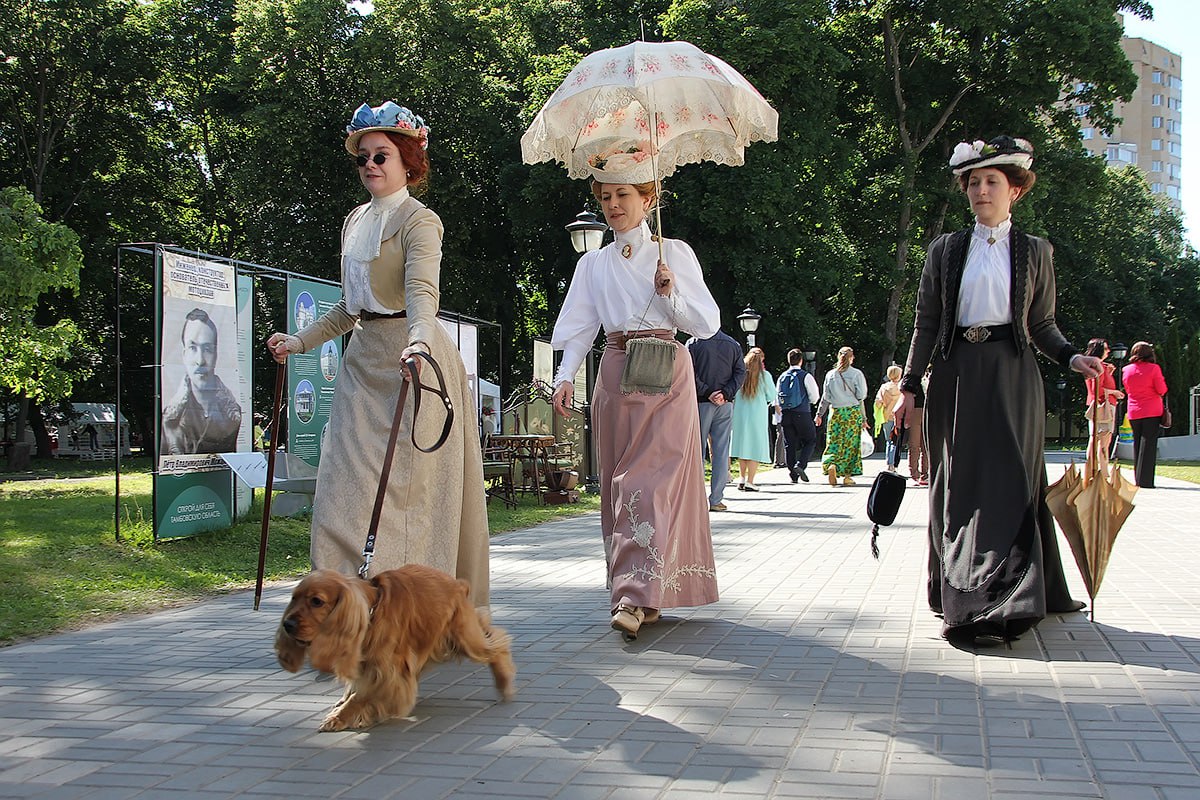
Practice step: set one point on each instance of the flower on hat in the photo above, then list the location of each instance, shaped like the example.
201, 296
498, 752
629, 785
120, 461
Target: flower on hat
388, 116
965, 151
622, 157
1001, 150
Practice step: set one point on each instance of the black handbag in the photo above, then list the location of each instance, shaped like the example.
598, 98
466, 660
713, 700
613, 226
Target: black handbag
883, 503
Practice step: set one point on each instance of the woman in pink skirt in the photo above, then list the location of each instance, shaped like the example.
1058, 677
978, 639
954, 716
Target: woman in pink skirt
653, 505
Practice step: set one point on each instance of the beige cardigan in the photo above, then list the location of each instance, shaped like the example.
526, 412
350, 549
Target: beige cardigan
406, 274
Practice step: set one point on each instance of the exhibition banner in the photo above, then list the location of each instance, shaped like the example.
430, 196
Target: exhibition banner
204, 381
312, 376
243, 494
192, 503
201, 415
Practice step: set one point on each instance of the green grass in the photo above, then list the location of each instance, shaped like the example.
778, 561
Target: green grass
61, 567
1182, 470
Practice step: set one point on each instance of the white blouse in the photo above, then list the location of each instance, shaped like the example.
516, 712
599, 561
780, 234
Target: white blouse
362, 247
985, 294
617, 292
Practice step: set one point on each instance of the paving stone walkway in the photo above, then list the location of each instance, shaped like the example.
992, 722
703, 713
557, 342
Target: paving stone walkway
819, 674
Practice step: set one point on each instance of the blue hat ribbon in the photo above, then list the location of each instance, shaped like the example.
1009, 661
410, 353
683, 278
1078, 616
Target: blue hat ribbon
388, 115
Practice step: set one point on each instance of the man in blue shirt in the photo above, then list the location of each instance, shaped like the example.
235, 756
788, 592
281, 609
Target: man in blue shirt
720, 371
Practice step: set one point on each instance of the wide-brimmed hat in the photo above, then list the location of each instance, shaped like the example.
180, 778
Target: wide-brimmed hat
387, 117
1001, 150
625, 164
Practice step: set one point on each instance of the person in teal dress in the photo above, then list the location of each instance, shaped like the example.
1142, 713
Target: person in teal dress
751, 441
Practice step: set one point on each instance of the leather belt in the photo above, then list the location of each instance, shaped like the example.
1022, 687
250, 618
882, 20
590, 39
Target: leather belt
978, 334
618, 339
367, 316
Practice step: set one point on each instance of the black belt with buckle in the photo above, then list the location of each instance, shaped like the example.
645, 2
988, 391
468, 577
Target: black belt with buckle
977, 334
367, 316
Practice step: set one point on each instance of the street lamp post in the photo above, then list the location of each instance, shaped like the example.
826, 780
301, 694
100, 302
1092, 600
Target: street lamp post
748, 321
809, 357
1118, 352
587, 234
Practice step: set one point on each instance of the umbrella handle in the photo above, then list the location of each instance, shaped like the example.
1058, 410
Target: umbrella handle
1093, 456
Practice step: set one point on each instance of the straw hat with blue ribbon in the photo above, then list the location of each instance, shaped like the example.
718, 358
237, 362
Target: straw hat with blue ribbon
388, 117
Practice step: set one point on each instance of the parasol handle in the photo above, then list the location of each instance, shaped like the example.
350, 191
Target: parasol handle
1092, 458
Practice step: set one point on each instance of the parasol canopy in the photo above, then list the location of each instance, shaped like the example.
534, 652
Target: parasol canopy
1090, 509
688, 105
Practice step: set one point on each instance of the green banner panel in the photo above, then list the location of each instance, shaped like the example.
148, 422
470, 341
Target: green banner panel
312, 376
193, 503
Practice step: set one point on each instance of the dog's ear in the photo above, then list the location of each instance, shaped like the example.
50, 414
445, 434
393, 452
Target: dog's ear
337, 647
288, 651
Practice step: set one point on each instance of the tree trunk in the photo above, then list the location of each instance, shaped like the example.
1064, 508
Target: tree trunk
41, 434
901, 271
17, 454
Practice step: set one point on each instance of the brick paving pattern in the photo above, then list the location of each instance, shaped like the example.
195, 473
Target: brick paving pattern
820, 674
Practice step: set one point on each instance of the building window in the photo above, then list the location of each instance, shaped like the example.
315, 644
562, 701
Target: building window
1173, 171
1156, 188
1156, 99
1156, 144
1156, 77
1087, 133
1156, 122
1175, 149
1156, 166
1121, 153
1173, 192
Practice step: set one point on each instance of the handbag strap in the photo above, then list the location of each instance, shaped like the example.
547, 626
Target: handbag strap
846, 386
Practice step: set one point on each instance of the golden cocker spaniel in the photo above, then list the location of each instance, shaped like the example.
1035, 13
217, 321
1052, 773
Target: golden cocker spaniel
377, 636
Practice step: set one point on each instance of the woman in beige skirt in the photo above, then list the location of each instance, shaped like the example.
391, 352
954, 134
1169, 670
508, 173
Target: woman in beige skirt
653, 504
434, 510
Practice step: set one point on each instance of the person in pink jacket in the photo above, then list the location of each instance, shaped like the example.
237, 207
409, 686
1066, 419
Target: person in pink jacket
1145, 389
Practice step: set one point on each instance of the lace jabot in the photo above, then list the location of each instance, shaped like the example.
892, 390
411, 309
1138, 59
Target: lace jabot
366, 232
363, 239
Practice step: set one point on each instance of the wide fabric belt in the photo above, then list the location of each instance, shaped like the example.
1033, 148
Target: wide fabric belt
978, 334
367, 316
617, 340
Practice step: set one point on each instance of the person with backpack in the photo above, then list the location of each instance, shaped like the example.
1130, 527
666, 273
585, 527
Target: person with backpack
796, 393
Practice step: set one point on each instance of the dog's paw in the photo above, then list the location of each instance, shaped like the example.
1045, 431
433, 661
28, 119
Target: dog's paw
333, 722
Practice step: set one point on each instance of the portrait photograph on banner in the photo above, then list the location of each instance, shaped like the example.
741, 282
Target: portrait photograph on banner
202, 413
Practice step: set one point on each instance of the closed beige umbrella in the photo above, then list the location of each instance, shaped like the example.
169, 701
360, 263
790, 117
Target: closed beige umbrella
1090, 509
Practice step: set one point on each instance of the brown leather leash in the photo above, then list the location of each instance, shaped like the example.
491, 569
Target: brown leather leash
410, 363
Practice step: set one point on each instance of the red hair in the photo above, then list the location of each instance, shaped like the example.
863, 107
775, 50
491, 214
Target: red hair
416, 159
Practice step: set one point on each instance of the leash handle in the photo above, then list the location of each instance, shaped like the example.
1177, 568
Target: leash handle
440, 391
385, 471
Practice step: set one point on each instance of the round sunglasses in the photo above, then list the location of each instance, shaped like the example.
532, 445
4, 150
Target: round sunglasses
378, 158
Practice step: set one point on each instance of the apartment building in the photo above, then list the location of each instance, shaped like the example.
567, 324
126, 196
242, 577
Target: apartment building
1150, 133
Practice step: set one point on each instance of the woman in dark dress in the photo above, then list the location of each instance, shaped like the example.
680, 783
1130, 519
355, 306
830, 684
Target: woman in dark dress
986, 299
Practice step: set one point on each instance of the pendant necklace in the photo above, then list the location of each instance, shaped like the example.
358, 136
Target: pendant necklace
627, 250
